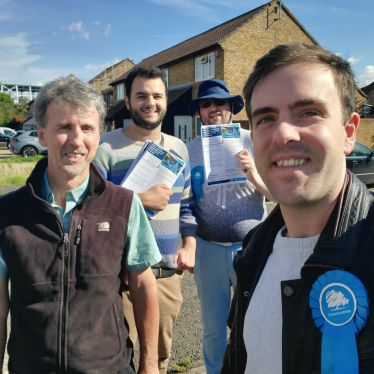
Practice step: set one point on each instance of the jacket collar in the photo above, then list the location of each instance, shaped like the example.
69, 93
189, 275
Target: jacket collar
96, 185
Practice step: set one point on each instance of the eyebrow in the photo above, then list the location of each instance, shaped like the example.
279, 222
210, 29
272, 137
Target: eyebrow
297, 104
264, 110
146, 93
305, 102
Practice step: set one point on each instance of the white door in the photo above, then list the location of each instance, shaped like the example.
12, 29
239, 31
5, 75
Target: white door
183, 128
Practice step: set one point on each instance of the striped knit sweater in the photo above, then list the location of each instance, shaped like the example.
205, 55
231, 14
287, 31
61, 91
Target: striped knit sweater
114, 157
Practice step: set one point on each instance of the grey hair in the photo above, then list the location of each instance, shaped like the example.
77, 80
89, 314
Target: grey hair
71, 94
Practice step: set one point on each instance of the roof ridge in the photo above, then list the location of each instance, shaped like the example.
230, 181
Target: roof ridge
215, 27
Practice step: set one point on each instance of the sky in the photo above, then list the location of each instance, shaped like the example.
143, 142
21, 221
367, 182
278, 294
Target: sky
41, 40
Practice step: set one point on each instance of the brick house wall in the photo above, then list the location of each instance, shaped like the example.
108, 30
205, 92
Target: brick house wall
254, 40
365, 133
101, 82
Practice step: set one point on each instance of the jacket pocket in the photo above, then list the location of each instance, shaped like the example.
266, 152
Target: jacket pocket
101, 248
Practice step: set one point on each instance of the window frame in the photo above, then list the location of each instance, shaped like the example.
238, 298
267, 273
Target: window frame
118, 91
197, 118
166, 71
209, 76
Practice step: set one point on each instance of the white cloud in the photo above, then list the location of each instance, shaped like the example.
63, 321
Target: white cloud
107, 31
97, 23
19, 69
366, 77
17, 48
78, 29
192, 8
98, 68
353, 60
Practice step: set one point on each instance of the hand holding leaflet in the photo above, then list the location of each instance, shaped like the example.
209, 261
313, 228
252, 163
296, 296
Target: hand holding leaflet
152, 175
156, 198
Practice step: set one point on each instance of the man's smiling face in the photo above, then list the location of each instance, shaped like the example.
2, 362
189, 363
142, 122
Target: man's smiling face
299, 138
72, 140
148, 101
216, 115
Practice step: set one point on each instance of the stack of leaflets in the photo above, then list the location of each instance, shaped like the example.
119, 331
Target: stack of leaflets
153, 165
221, 144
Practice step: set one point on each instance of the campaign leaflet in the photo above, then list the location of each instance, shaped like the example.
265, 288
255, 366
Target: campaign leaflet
221, 144
153, 165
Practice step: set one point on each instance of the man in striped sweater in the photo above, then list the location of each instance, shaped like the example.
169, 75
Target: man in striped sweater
146, 99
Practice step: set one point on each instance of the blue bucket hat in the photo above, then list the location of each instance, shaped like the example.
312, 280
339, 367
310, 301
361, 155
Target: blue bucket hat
216, 89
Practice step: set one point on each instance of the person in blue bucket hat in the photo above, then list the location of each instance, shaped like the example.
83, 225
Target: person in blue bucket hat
225, 213
216, 89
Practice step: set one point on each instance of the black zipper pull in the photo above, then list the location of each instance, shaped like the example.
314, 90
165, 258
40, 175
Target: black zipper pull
78, 235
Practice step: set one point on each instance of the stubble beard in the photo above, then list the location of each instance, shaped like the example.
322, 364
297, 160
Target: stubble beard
138, 120
77, 170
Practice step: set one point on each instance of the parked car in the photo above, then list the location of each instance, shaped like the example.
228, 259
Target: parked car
5, 134
361, 162
26, 143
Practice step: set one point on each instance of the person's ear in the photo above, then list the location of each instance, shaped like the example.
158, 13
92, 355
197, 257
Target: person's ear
127, 101
350, 129
41, 136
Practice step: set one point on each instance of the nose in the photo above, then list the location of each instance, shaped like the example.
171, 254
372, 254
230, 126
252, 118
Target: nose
285, 132
150, 101
76, 137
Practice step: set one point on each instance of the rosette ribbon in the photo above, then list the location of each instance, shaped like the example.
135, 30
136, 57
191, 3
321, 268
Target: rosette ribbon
197, 179
340, 308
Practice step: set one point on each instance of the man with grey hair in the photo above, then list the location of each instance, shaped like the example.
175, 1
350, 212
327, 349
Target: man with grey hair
65, 239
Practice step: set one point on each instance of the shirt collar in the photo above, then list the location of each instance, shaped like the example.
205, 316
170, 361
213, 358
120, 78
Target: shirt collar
78, 194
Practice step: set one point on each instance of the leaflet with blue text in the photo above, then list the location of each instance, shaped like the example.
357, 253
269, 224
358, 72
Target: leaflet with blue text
221, 144
153, 165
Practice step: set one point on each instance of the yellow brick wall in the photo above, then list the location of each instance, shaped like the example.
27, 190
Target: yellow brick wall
184, 71
365, 133
181, 72
254, 40
101, 83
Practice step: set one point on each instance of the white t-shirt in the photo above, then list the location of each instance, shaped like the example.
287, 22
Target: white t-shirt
263, 321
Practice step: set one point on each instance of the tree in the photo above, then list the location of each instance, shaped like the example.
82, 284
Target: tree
22, 107
5, 98
12, 115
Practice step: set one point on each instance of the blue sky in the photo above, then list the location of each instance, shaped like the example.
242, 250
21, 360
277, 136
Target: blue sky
41, 40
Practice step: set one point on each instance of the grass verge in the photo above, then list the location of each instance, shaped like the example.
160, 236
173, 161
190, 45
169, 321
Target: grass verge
18, 159
12, 181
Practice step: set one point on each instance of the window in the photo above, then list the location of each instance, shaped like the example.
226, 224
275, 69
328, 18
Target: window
360, 151
120, 92
166, 71
204, 67
197, 126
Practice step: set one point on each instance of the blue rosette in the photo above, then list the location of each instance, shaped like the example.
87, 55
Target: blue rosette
197, 179
340, 308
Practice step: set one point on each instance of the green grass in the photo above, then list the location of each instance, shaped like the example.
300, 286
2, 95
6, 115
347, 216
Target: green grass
12, 181
182, 365
18, 159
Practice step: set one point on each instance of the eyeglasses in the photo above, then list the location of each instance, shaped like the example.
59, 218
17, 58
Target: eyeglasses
206, 103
